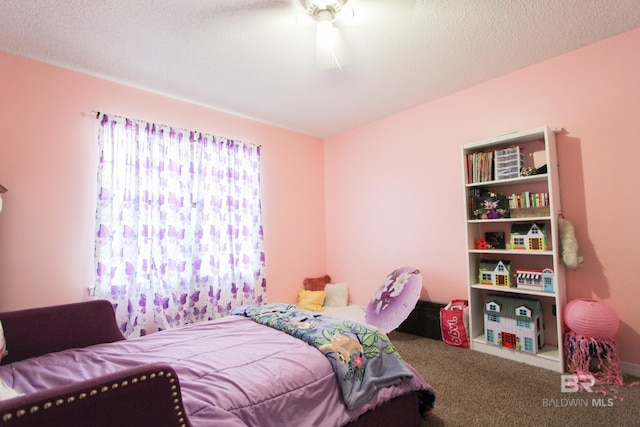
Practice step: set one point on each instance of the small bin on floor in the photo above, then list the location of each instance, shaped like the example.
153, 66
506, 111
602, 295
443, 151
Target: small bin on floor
424, 320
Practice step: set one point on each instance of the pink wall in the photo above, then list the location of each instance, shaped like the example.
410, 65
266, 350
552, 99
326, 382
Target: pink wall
390, 192
48, 162
394, 187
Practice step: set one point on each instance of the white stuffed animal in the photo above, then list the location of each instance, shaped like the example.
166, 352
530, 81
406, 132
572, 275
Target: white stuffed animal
569, 244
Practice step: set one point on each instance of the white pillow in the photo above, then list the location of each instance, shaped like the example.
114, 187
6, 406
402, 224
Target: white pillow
7, 392
337, 295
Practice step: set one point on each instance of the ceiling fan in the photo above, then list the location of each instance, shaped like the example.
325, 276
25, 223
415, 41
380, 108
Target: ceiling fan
331, 17
329, 44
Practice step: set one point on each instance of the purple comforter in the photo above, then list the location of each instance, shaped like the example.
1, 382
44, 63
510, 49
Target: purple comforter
232, 371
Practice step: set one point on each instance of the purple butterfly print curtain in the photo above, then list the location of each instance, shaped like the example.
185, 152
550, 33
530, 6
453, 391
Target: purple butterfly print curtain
178, 224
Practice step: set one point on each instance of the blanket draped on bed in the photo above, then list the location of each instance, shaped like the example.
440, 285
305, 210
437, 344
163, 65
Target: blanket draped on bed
362, 357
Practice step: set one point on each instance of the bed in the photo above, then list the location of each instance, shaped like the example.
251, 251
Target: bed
71, 366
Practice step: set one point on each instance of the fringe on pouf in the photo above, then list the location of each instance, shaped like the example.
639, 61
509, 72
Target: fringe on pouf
596, 356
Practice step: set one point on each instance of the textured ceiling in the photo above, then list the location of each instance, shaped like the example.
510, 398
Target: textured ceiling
251, 58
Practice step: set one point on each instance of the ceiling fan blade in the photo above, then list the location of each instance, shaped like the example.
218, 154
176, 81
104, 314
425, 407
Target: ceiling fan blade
380, 12
231, 6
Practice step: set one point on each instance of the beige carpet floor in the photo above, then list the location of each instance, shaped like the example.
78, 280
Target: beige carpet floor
476, 389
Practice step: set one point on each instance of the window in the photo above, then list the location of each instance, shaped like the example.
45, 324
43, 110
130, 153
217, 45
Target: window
528, 344
493, 318
178, 224
523, 324
490, 336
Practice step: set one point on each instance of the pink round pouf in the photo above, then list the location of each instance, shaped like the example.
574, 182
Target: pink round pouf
590, 318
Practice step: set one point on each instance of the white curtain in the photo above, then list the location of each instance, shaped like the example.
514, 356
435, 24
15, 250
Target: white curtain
178, 224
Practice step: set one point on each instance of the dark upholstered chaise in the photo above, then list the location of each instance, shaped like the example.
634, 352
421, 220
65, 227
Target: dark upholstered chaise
145, 395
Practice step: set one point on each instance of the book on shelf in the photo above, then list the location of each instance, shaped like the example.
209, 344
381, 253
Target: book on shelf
479, 167
527, 199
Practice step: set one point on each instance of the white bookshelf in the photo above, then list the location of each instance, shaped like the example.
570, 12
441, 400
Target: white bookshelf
539, 148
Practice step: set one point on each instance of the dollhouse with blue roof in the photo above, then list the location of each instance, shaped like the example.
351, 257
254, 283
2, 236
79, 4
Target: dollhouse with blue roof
514, 323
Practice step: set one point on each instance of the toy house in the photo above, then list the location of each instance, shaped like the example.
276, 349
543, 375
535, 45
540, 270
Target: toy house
514, 323
528, 236
536, 280
494, 272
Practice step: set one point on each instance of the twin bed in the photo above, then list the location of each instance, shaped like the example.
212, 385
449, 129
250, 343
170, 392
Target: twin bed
272, 365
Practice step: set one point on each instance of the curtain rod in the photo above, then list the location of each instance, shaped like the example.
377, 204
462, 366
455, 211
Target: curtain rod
97, 114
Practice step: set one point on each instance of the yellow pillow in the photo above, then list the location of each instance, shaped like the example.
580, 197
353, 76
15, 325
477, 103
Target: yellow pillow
311, 300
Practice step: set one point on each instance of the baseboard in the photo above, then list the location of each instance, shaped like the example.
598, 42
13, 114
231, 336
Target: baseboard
632, 369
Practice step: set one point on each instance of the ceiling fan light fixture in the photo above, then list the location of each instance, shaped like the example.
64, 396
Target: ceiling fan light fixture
325, 13
321, 9
326, 34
